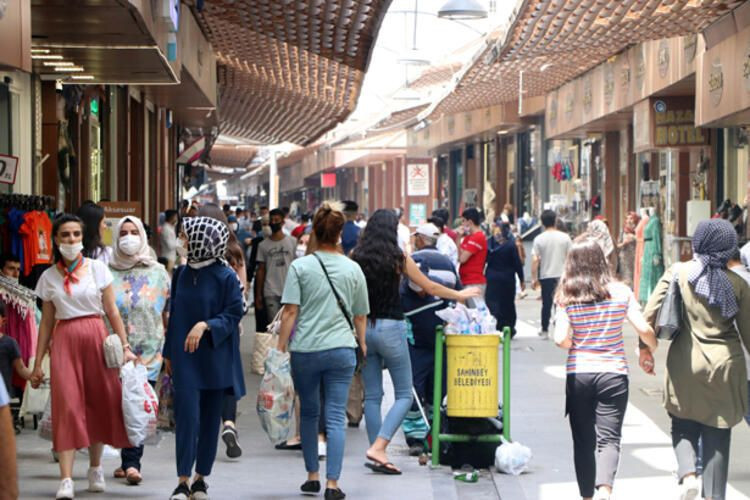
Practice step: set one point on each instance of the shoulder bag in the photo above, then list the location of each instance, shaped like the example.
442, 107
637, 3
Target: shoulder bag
360, 357
669, 317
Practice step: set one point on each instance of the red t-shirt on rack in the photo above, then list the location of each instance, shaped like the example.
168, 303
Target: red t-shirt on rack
472, 271
36, 232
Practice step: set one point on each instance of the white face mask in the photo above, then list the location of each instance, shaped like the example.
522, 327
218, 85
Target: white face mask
301, 250
130, 244
70, 251
233, 226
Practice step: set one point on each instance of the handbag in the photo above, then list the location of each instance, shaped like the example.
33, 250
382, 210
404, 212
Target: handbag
669, 317
264, 341
113, 352
361, 360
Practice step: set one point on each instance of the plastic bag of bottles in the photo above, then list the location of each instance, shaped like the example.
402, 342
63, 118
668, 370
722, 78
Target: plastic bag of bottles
461, 320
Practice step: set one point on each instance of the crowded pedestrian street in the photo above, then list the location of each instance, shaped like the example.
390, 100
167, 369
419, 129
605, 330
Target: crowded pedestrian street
375, 249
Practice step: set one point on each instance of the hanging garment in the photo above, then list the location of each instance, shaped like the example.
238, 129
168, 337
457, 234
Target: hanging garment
639, 247
653, 259
626, 258
24, 330
36, 232
15, 216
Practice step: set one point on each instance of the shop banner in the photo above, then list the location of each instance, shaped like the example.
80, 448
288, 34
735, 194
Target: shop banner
418, 179
113, 212
8, 168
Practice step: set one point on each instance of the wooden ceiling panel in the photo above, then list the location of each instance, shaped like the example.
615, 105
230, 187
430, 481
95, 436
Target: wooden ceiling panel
289, 70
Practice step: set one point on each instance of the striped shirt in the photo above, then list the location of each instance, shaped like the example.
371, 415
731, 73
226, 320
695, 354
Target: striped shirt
596, 332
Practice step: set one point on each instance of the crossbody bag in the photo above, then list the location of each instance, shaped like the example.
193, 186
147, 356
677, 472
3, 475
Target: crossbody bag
342, 306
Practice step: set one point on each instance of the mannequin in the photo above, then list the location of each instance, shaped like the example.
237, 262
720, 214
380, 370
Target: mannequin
639, 248
653, 258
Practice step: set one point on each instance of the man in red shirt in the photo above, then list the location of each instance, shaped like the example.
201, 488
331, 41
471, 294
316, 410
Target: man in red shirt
472, 253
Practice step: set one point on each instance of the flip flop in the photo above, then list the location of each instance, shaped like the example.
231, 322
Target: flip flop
119, 473
132, 476
386, 468
287, 446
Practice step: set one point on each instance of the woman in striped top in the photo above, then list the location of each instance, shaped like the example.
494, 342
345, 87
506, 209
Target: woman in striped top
591, 311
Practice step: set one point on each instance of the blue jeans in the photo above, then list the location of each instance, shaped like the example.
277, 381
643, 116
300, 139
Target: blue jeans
334, 368
386, 348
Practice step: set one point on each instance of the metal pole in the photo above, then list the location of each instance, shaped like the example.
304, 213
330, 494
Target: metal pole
506, 383
273, 182
437, 393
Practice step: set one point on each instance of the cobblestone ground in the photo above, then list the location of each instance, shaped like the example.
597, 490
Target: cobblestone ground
537, 421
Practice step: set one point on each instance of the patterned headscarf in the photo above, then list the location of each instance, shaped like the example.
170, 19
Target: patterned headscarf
600, 232
714, 242
207, 241
145, 257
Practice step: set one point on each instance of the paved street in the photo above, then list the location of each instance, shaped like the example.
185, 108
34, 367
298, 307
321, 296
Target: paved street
537, 421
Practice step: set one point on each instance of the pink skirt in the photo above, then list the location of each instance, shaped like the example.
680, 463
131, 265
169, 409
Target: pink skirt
86, 395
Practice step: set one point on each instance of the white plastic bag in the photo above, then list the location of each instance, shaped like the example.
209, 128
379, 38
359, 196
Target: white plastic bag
512, 458
140, 406
276, 396
45, 425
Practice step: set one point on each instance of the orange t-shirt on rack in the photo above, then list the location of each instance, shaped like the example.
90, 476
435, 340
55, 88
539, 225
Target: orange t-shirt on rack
36, 232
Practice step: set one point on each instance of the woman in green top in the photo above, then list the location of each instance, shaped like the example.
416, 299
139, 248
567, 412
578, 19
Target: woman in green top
706, 383
323, 347
141, 287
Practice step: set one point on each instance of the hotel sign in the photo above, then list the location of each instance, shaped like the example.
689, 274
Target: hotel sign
675, 126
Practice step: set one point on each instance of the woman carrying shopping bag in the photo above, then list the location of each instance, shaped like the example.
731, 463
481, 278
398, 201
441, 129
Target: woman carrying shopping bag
202, 350
326, 294
141, 287
591, 310
86, 395
706, 386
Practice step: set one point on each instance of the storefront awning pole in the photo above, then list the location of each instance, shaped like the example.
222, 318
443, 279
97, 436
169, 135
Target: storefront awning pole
273, 182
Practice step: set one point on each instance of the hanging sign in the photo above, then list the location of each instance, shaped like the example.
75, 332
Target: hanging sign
418, 179
113, 212
8, 168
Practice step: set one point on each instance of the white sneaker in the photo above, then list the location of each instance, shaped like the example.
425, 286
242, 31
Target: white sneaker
690, 488
322, 448
66, 490
601, 494
96, 479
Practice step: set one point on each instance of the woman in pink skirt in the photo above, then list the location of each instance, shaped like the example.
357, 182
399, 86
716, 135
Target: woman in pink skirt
86, 395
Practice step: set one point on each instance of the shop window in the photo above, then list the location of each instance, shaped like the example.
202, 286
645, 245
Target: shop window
736, 162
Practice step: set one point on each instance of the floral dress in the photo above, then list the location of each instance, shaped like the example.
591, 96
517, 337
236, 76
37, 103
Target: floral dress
141, 295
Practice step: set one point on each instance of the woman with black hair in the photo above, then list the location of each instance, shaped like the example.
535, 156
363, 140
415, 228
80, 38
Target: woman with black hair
92, 216
384, 264
86, 395
503, 264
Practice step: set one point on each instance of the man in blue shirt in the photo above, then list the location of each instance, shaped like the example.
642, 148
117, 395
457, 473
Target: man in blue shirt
350, 233
420, 309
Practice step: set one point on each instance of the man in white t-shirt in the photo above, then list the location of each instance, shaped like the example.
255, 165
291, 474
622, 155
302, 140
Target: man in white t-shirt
445, 244
548, 262
404, 235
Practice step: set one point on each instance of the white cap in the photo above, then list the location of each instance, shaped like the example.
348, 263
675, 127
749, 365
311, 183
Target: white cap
430, 230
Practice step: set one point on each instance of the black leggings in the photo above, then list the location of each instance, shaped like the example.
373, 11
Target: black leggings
596, 405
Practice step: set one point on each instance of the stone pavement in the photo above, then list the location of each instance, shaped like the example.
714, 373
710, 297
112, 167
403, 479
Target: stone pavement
261, 472
538, 405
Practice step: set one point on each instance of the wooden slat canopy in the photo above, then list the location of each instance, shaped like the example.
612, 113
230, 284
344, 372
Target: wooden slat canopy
569, 37
289, 70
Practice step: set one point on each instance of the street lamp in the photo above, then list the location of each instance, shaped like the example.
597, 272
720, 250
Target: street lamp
462, 9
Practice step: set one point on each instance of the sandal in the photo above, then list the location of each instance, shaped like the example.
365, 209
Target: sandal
133, 476
386, 468
119, 473
286, 446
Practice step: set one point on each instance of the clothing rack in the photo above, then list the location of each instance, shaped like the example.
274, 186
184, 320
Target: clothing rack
27, 201
20, 297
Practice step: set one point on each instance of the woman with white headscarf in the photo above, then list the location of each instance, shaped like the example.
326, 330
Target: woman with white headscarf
141, 287
599, 230
706, 384
202, 349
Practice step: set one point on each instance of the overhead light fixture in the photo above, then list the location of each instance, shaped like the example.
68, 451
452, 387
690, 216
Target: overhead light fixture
406, 94
545, 67
58, 64
462, 10
82, 77
40, 51
68, 69
50, 57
